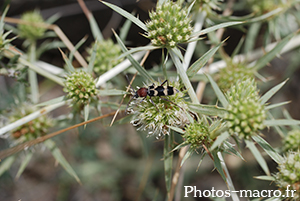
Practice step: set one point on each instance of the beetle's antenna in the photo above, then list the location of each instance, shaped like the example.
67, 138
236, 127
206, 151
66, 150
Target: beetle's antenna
112, 121
141, 63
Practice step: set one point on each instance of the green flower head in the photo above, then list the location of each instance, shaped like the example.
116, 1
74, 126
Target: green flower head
155, 114
246, 114
169, 25
207, 5
262, 7
81, 87
31, 130
292, 141
233, 72
288, 175
197, 134
32, 32
106, 56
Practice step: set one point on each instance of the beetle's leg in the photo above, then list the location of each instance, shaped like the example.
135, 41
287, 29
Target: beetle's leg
153, 103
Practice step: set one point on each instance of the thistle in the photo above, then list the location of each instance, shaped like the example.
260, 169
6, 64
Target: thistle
207, 5
106, 56
292, 141
31, 130
232, 73
169, 25
29, 31
261, 7
155, 116
288, 175
197, 134
245, 112
81, 87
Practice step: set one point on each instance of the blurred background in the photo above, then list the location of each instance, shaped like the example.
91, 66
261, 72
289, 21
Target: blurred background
120, 163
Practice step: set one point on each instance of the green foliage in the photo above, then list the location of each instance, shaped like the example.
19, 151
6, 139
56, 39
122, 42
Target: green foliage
33, 29
198, 121
169, 25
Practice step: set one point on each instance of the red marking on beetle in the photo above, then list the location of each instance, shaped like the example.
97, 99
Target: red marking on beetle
142, 92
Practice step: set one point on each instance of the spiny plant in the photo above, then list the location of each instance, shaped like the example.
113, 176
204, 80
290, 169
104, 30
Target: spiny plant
238, 109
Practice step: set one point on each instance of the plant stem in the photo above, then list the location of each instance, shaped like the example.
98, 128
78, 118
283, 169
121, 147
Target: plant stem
34, 86
228, 178
30, 117
191, 46
38, 70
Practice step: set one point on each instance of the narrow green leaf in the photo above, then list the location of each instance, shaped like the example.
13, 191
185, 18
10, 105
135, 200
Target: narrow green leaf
86, 109
218, 91
229, 147
92, 59
251, 36
281, 122
24, 164
127, 15
265, 178
210, 110
111, 92
95, 28
213, 28
186, 156
2, 20
135, 64
261, 161
220, 139
238, 47
268, 148
182, 73
197, 65
177, 52
264, 60
287, 115
190, 8
125, 28
277, 105
6, 164
168, 160
50, 144
123, 120
68, 67
218, 165
201, 159
77, 46
137, 49
178, 130
271, 92
52, 101
264, 16
180, 146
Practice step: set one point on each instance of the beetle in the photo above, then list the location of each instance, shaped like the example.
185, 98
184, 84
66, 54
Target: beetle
155, 91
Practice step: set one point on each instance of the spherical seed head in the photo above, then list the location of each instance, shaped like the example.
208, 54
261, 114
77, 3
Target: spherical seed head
154, 118
289, 174
106, 56
169, 25
31, 32
233, 72
197, 134
292, 141
246, 114
207, 5
80, 87
262, 7
35, 128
